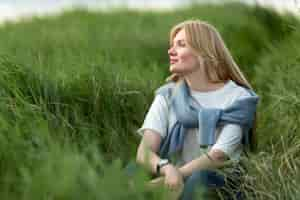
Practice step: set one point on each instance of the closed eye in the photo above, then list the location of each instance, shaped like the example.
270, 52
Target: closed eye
181, 43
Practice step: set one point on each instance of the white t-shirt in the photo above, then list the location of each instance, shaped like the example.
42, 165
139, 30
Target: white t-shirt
161, 118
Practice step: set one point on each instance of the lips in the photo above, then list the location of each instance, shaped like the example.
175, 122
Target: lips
173, 61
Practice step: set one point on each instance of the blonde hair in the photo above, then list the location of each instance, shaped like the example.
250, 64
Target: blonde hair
205, 40
219, 65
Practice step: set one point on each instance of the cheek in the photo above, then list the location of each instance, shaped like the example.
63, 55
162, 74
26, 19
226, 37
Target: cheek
186, 64
189, 59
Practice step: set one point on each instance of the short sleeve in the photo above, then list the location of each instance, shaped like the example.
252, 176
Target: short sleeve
230, 137
157, 117
229, 140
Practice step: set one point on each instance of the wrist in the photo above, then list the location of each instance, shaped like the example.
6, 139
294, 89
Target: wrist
182, 172
161, 165
165, 168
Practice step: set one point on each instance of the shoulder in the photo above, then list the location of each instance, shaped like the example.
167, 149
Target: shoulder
236, 92
166, 89
160, 102
240, 92
163, 94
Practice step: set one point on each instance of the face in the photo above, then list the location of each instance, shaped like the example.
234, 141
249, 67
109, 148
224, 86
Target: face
183, 60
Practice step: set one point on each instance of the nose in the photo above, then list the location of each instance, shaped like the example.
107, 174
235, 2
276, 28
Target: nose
171, 51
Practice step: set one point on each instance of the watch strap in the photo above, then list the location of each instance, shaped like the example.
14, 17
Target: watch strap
160, 164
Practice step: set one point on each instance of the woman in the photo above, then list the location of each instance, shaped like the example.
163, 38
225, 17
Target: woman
202, 118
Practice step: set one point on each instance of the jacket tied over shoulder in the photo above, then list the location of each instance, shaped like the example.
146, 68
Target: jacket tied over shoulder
188, 115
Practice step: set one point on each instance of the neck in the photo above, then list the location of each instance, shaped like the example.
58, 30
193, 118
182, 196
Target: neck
199, 82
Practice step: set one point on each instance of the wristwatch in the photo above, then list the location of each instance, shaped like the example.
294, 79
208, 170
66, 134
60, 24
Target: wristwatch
160, 164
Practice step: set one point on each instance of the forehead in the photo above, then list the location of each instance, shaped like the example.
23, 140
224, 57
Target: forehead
180, 35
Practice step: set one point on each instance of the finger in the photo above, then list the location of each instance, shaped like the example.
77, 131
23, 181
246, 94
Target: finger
170, 186
153, 181
156, 180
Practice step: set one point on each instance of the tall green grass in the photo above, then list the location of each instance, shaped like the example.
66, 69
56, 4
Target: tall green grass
75, 87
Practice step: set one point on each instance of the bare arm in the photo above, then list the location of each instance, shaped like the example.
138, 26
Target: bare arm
212, 160
147, 156
146, 153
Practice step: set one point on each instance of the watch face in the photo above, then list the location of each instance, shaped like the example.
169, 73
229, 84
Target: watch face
163, 162
160, 164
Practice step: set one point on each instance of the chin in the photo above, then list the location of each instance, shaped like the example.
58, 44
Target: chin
175, 70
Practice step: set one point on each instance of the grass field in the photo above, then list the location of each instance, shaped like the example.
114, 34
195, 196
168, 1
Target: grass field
75, 87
